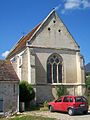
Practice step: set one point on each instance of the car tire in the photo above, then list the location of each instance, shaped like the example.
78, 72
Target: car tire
85, 112
51, 109
70, 111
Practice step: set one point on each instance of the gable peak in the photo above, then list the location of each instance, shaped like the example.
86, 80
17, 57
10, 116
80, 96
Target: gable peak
53, 11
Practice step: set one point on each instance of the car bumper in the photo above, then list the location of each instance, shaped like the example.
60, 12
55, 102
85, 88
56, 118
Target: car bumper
80, 109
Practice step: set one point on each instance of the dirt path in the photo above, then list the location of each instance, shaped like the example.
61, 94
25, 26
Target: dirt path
58, 116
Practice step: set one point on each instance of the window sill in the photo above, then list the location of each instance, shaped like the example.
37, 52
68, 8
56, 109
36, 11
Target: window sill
1, 113
66, 84
57, 83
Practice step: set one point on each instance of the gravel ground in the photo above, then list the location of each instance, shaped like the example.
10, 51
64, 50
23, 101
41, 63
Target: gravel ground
59, 116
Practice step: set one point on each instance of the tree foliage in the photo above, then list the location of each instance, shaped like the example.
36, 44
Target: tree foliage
26, 92
88, 82
61, 90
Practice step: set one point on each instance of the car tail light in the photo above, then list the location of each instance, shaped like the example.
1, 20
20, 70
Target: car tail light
75, 105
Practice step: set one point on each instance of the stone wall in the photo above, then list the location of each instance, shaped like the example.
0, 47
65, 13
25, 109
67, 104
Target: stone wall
54, 34
20, 64
48, 92
9, 94
14, 61
69, 73
24, 67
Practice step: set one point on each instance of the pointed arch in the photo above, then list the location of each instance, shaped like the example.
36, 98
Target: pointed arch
54, 68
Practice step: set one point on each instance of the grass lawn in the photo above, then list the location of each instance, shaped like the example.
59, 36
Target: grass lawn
28, 117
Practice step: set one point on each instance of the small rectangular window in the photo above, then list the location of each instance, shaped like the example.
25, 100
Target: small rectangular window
14, 88
13, 60
55, 73
1, 105
20, 61
60, 73
49, 73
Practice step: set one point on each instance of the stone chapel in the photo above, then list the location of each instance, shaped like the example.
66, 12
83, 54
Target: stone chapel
49, 56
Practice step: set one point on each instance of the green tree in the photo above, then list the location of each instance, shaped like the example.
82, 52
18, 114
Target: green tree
88, 88
88, 82
26, 92
61, 90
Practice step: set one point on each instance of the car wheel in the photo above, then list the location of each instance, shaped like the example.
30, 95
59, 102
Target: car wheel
51, 108
85, 112
70, 111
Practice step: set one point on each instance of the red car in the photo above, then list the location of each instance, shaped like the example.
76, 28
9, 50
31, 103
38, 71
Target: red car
70, 104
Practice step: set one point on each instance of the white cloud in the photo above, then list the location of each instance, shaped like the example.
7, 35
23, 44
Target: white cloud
5, 54
86, 3
75, 4
72, 4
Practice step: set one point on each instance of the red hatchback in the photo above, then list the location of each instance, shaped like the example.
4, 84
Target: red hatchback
70, 104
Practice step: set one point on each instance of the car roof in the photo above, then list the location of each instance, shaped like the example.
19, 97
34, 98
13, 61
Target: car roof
71, 96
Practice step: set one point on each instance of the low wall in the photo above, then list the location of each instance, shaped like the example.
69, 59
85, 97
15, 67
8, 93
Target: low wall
48, 92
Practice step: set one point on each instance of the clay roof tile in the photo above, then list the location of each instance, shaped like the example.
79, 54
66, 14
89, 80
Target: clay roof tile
22, 42
7, 72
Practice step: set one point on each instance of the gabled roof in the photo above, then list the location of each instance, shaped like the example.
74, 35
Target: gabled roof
7, 72
22, 43
26, 39
44, 21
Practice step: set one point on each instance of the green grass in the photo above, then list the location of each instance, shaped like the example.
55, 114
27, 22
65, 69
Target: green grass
28, 117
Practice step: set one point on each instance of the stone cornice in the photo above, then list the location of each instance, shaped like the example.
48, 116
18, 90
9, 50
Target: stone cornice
51, 48
56, 84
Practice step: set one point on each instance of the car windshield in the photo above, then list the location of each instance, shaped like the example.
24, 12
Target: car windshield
80, 99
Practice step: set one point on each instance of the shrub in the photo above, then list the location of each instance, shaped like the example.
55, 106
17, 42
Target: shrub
45, 104
87, 93
88, 82
61, 90
26, 92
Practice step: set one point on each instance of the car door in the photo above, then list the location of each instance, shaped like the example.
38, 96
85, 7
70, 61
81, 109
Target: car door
65, 104
71, 100
58, 104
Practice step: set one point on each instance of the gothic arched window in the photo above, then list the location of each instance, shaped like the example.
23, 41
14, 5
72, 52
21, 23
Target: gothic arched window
54, 69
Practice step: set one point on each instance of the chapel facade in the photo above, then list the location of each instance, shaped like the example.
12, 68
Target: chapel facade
49, 56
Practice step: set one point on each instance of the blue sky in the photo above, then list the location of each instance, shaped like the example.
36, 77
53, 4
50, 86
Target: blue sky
18, 17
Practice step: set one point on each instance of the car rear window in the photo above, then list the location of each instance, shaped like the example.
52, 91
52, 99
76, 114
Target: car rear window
80, 99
